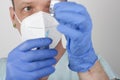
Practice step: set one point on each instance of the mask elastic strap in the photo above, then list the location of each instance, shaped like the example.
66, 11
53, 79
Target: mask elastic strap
17, 18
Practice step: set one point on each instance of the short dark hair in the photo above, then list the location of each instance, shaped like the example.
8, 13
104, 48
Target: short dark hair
13, 4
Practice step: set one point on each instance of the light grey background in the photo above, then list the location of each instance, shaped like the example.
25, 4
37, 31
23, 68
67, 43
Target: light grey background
106, 29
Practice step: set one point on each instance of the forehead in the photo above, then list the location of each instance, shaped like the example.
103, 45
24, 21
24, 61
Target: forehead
17, 1
29, 1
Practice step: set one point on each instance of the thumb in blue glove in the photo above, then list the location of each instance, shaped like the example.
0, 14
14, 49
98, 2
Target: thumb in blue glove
76, 25
26, 64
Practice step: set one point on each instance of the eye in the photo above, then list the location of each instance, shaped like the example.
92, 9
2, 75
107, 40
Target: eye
27, 9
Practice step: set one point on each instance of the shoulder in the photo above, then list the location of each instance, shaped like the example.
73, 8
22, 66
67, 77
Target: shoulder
2, 68
3, 61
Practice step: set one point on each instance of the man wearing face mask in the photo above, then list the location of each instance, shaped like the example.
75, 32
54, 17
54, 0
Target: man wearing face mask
37, 58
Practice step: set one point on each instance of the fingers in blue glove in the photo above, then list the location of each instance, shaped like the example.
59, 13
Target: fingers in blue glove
33, 75
37, 55
68, 31
73, 14
42, 73
69, 7
70, 17
33, 66
34, 43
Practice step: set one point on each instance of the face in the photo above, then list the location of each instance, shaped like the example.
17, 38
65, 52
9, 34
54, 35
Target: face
25, 8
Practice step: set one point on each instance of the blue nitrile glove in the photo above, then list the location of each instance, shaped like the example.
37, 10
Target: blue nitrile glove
76, 25
24, 63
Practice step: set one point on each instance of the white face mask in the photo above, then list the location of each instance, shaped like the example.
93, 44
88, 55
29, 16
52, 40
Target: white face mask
40, 25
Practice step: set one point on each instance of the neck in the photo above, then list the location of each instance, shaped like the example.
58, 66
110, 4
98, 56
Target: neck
60, 50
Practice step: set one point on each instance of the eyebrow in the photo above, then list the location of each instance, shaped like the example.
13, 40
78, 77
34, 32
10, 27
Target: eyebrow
23, 2
28, 1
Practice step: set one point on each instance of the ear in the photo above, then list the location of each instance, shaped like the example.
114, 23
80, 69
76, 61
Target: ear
12, 15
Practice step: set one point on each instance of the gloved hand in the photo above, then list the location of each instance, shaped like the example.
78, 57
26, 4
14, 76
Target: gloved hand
76, 25
24, 63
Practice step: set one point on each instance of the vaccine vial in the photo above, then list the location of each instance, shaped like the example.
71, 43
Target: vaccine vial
53, 2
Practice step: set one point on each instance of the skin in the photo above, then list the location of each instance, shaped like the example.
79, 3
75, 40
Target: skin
25, 8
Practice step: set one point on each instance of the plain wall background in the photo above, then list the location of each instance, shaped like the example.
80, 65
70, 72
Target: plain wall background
106, 29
